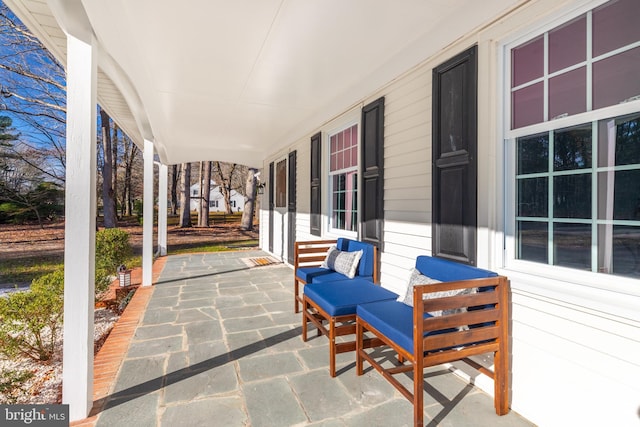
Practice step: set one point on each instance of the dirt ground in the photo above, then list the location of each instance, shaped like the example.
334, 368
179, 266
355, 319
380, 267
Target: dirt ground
31, 241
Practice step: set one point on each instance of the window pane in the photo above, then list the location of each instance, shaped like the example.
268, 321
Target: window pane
572, 245
344, 201
533, 241
615, 24
568, 93
619, 195
622, 255
527, 105
527, 62
533, 197
619, 141
572, 196
568, 44
533, 154
615, 79
572, 149
281, 184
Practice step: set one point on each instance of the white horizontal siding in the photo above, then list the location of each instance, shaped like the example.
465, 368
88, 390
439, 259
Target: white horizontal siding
564, 357
574, 357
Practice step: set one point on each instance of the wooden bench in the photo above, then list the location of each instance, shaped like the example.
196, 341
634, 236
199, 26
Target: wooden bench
308, 258
422, 340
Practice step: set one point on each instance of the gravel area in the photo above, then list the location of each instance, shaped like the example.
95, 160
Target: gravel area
45, 386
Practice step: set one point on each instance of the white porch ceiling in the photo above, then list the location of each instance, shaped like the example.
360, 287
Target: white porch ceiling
235, 80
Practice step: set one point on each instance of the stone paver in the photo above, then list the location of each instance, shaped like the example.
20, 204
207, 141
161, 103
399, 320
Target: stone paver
218, 344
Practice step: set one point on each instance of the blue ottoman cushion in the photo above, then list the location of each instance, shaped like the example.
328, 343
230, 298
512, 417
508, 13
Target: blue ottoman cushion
341, 298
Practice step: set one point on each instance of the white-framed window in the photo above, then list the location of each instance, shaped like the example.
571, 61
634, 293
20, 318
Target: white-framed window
213, 203
343, 180
573, 136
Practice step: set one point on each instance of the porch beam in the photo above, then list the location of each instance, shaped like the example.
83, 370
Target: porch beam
147, 215
80, 227
162, 209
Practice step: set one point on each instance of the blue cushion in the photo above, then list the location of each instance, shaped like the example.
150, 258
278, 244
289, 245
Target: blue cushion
393, 319
334, 276
366, 262
449, 271
308, 274
342, 244
341, 298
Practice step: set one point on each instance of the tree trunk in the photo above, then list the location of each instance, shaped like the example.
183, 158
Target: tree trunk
205, 193
225, 183
199, 202
249, 205
114, 145
185, 196
129, 154
108, 200
174, 190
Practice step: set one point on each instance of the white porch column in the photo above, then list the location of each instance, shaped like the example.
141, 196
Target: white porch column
162, 210
147, 216
80, 227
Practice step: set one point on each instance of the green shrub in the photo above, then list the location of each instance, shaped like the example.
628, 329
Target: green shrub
30, 321
112, 250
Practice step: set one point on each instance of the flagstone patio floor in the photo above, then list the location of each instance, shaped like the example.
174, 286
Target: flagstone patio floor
215, 342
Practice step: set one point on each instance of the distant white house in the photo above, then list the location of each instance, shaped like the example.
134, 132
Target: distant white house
216, 199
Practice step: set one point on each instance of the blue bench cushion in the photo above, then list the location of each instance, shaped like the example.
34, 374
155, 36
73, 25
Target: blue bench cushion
393, 319
341, 298
365, 268
449, 271
334, 276
308, 274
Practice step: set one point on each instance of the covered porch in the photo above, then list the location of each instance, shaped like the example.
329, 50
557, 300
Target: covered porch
217, 339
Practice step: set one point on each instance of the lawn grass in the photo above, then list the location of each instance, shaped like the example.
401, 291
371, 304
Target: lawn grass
212, 247
24, 270
20, 271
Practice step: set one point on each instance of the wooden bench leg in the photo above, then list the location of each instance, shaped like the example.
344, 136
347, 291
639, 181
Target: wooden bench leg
359, 348
304, 321
296, 303
418, 392
332, 347
501, 383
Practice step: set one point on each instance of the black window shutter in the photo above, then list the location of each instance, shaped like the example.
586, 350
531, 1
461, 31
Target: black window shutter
272, 185
455, 158
291, 205
373, 173
316, 196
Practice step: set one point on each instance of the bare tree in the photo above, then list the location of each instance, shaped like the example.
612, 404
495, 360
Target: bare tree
250, 198
185, 196
108, 198
205, 193
33, 94
174, 189
114, 181
229, 176
129, 156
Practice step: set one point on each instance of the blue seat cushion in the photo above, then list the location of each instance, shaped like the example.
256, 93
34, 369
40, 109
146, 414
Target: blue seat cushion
342, 298
309, 273
393, 319
334, 276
